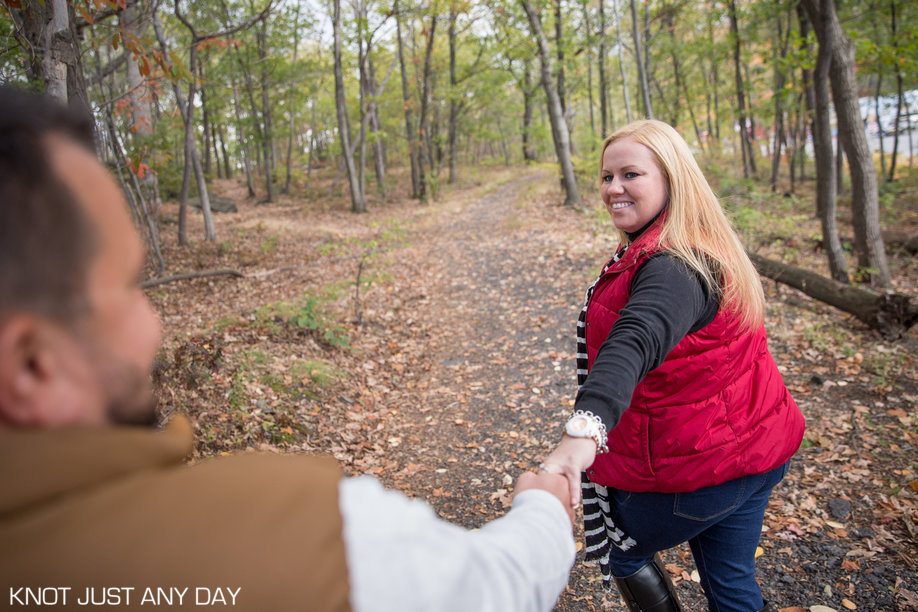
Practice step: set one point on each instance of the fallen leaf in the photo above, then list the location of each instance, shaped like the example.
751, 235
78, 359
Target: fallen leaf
849, 604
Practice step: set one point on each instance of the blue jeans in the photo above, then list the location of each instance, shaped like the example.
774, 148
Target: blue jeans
722, 524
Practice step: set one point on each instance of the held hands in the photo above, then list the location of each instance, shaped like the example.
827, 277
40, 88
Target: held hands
553, 483
571, 457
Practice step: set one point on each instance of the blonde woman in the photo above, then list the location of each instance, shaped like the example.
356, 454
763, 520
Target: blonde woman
682, 424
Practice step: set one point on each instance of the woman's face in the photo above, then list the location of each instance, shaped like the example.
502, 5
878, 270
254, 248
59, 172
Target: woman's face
634, 189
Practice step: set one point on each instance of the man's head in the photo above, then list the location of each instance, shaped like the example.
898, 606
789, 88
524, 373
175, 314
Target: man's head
77, 336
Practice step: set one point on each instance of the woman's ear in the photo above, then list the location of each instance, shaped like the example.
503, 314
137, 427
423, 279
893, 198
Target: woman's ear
37, 388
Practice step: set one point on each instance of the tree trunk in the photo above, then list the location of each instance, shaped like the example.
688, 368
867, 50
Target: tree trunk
261, 36
358, 201
621, 61
826, 186
46, 32
141, 108
880, 131
208, 143
407, 104
379, 149
426, 148
559, 50
243, 142
892, 314
899, 96
864, 191
589, 62
715, 80
601, 66
745, 142
639, 57
529, 152
192, 157
186, 109
781, 47
291, 114
809, 97
559, 131
453, 102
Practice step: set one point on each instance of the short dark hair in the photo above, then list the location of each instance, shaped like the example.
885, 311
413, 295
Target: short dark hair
47, 240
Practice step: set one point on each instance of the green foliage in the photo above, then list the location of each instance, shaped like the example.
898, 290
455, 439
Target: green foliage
308, 313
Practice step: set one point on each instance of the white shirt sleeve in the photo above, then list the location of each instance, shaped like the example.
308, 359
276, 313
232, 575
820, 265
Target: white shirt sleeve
402, 557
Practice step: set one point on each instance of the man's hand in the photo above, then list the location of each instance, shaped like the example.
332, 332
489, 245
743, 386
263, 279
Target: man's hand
553, 483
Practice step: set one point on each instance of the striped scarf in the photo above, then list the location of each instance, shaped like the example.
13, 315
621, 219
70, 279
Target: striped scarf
599, 529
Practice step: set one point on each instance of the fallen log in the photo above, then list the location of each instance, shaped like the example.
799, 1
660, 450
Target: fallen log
188, 275
892, 314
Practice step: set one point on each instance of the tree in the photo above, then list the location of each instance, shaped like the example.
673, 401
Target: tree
559, 131
47, 29
641, 64
621, 59
864, 190
407, 103
358, 199
826, 185
745, 129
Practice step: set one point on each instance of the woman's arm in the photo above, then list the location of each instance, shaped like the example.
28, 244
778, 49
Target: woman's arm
668, 301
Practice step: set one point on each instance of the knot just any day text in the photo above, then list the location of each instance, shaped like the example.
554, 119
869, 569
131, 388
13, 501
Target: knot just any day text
116, 596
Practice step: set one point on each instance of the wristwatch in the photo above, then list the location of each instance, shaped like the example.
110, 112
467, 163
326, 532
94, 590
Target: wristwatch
586, 425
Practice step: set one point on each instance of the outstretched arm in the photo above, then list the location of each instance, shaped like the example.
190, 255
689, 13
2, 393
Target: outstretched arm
403, 557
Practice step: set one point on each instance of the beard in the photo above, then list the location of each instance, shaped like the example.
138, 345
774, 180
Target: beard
128, 390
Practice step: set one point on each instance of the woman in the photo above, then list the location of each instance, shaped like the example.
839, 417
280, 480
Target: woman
682, 424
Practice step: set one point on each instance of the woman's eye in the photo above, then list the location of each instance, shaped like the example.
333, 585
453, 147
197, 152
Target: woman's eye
607, 178
630, 174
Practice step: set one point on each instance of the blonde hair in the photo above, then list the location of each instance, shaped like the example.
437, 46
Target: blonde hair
695, 228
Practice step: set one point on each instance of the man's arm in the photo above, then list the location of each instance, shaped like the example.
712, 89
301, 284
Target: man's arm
402, 557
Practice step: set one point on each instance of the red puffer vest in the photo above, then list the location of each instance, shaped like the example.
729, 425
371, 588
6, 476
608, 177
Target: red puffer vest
716, 408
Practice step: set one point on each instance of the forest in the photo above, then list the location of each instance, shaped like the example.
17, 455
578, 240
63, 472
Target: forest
320, 184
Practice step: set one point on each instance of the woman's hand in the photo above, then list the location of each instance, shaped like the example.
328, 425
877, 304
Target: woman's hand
569, 459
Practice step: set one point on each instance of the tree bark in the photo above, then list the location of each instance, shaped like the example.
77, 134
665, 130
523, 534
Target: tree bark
453, 102
407, 104
826, 186
46, 32
892, 314
243, 141
782, 42
358, 201
744, 127
529, 152
864, 189
639, 57
141, 106
559, 130
426, 148
261, 36
621, 61
601, 67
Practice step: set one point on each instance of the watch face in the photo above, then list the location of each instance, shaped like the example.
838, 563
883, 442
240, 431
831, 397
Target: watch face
577, 426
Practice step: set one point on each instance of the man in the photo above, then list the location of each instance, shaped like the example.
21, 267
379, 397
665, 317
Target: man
98, 508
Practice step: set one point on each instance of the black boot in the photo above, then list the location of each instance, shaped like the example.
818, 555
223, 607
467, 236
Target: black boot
649, 589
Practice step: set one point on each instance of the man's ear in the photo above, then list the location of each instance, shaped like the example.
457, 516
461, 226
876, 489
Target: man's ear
32, 383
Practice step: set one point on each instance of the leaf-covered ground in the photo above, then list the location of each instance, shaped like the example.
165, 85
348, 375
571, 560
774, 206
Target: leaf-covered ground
432, 346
